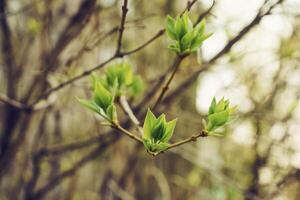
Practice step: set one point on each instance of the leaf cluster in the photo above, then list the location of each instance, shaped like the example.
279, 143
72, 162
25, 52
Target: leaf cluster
219, 114
185, 37
157, 132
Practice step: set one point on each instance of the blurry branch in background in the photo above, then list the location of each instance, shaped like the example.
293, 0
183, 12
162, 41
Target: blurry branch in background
42, 191
12, 102
284, 182
25, 8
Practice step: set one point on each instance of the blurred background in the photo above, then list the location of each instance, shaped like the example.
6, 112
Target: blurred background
52, 148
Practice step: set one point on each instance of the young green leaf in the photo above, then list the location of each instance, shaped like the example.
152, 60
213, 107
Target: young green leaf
102, 97
185, 38
157, 132
89, 104
219, 114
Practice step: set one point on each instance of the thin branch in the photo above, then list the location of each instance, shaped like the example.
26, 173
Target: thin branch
188, 6
70, 81
207, 12
193, 138
166, 86
156, 36
287, 180
127, 109
117, 126
64, 148
12, 102
121, 28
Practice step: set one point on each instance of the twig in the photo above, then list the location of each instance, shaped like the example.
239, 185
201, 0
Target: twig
193, 138
166, 86
207, 12
188, 6
12, 102
156, 36
117, 126
127, 109
288, 179
121, 28
68, 82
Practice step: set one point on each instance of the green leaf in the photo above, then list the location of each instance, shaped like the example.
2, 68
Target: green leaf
111, 113
171, 27
128, 73
155, 147
174, 47
169, 130
102, 96
179, 28
212, 106
218, 119
137, 85
159, 129
200, 28
89, 104
187, 40
149, 123
187, 23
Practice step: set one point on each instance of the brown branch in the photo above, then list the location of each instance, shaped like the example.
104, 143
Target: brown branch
70, 81
189, 6
166, 86
207, 12
127, 109
156, 36
287, 180
12, 102
121, 28
117, 126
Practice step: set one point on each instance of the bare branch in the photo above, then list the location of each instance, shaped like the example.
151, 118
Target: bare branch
166, 86
121, 28
12, 102
156, 36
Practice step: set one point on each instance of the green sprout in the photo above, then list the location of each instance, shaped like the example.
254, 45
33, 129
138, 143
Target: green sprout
185, 37
121, 74
102, 102
219, 114
157, 132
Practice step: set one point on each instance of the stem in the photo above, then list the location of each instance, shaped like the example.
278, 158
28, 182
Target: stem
193, 138
157, 35
127, 109
166, 86
123, 130
121, 29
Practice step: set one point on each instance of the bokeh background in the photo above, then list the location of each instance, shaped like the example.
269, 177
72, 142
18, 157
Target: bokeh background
61, 151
